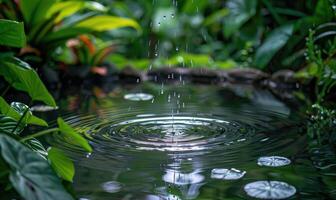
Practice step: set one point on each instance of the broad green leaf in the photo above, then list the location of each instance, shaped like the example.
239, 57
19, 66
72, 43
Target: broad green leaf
106, 23
8, 124
34, 11
240, 11
29, 117
22, 77
30, 174
272, 44
36, 146
64, 9
7, 110
12, 33
17, 109
90, 25
75, 137
61, 163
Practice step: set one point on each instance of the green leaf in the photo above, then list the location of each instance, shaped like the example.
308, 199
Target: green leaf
240, 12
22, 77
37, 146
12, 33
7, 110
61, 163
64, 9
272, 44
30, 174
90, 25
105, 23
29, 117
34, 11
8, 124
76, 138
17, 109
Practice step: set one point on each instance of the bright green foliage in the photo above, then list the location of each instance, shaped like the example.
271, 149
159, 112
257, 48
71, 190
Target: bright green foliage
17, 110
22, 77
63, 165
30, 174
12, 33
34, 11
73, 136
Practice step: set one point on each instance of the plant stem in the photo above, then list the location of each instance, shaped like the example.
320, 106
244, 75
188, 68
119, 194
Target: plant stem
38, 134
20, 120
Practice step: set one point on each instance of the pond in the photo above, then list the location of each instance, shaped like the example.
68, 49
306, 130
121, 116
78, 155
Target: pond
154, 141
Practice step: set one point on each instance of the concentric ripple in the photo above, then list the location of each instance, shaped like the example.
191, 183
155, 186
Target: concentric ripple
145, 148
172, 133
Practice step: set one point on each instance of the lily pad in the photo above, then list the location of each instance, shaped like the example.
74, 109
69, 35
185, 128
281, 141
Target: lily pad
269, 190
273, 161
227, 174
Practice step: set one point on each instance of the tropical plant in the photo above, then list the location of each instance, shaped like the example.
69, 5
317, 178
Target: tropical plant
25, 165
50, 23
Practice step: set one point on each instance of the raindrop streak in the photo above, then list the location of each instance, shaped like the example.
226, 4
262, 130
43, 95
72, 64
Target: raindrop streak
227, 174
273, 161
269, 190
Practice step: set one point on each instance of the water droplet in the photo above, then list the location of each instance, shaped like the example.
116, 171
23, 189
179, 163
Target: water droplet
172, 15
177, 49
164, 17
269, 190
273, 161
227, 174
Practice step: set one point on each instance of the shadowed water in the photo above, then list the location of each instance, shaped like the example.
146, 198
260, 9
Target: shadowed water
191, 142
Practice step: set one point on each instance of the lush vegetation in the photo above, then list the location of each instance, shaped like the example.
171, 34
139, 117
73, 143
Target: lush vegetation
85, 37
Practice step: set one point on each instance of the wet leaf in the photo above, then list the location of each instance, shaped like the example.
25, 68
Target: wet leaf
75, 137
240, 11
36, 146
8, 124
12, 33
17, 109
30, 174
272, 44
22, 77
61, 163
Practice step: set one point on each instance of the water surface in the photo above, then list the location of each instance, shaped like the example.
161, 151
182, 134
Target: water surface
188, 142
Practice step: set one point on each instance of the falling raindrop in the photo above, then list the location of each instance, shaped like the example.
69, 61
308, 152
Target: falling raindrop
273, 161
269, 190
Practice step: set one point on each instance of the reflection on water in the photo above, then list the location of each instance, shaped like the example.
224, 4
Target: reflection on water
206, 142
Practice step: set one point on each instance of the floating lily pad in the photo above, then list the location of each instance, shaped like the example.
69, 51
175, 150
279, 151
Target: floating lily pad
138, 97
273, 161
269, 190
227, 174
